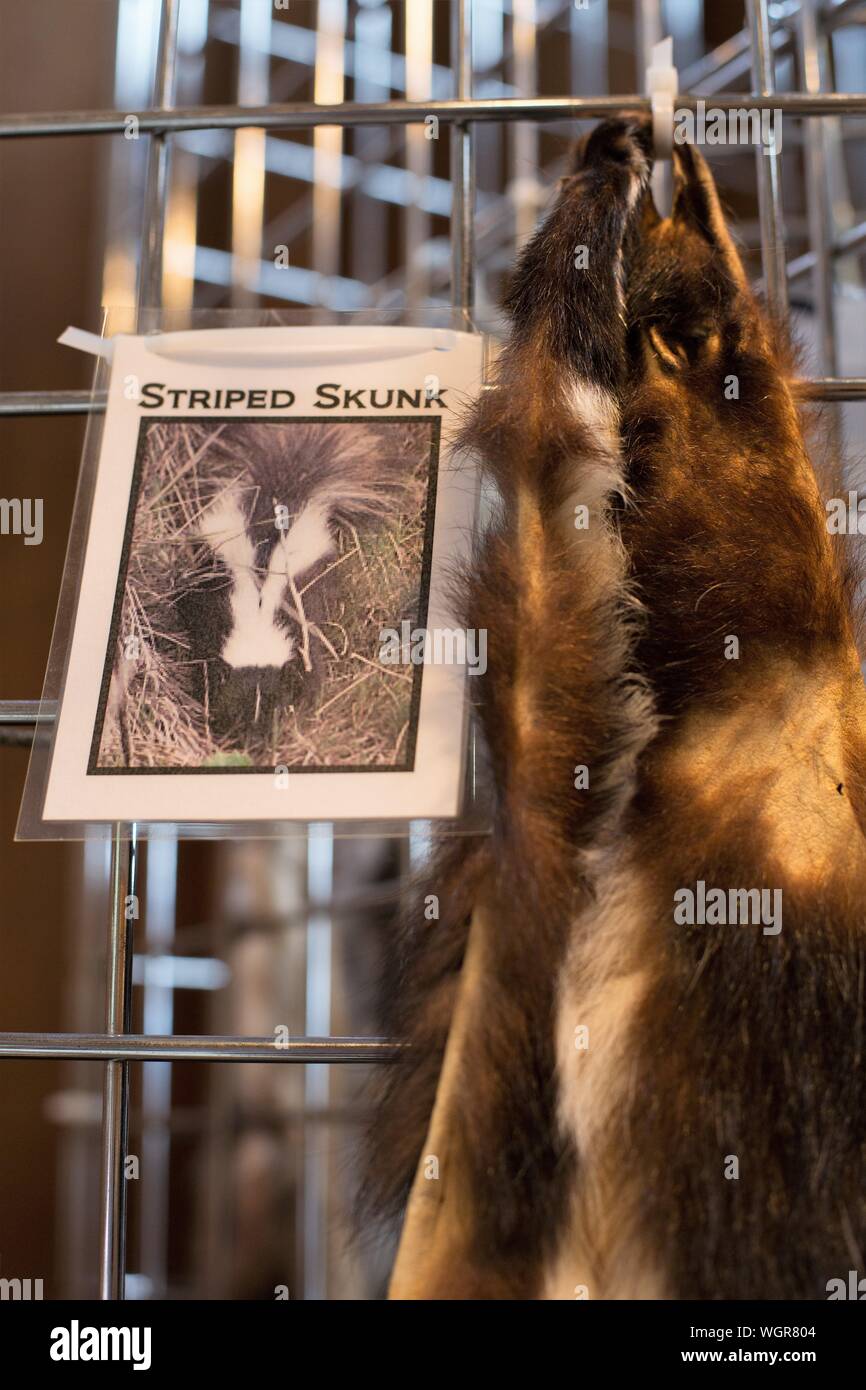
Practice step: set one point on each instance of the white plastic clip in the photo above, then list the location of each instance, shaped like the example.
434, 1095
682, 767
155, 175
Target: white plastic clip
87, 342
662, 81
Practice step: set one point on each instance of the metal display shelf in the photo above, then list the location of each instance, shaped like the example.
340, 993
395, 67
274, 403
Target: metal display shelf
758, 46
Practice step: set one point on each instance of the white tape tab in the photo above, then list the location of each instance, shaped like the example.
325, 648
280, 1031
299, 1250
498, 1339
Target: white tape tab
87, 342
662, 83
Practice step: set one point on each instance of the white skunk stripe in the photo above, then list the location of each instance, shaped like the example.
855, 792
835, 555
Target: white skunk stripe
224, 527
598, 411
308, 540
596, 477
601, 986
256, 638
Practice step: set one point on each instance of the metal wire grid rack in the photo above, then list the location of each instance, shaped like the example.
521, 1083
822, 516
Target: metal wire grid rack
755, 51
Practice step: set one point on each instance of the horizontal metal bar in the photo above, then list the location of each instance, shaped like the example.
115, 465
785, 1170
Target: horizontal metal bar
768, 167
138, 1047
26, 712
54, 403
19, 719
306, 115
50, 402
851, 388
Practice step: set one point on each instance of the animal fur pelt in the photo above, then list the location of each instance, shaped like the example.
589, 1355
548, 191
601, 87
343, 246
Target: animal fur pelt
600, 1096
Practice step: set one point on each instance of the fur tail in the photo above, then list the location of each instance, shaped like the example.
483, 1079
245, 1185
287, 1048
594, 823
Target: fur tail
563, 723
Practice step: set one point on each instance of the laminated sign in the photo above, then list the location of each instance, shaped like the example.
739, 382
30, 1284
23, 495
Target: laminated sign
262, 628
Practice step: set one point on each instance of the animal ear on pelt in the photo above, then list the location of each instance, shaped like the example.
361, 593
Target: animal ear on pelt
675, 350
696, 204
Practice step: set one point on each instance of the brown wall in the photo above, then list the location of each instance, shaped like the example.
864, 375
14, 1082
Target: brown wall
54, 55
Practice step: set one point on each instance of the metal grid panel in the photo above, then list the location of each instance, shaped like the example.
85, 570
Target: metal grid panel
754, 50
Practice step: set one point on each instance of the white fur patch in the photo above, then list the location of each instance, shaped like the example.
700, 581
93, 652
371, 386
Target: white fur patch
597, 409
308, 539
603, 984
597, 478
255, 639
224, 528
601, 988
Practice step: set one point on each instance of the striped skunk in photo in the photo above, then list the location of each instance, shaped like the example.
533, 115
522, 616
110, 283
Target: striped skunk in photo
610, 1093
257, 629
262, 560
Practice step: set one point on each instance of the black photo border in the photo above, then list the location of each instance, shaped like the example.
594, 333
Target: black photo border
408, 765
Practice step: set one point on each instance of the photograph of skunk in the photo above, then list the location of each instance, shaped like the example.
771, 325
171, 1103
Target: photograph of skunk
261, 561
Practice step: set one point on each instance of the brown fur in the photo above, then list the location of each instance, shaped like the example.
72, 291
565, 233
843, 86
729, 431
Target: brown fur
710, 1041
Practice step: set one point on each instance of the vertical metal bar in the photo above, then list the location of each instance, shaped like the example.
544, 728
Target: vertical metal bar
185, 174
317, 1079
327, 199
419, 87
127, 159
115, 1103
373, 45
250, 154
462, 165
523, 185
650, 30
156, 1078
768, 166
156, 185
818, 201
124, 858
329, 85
